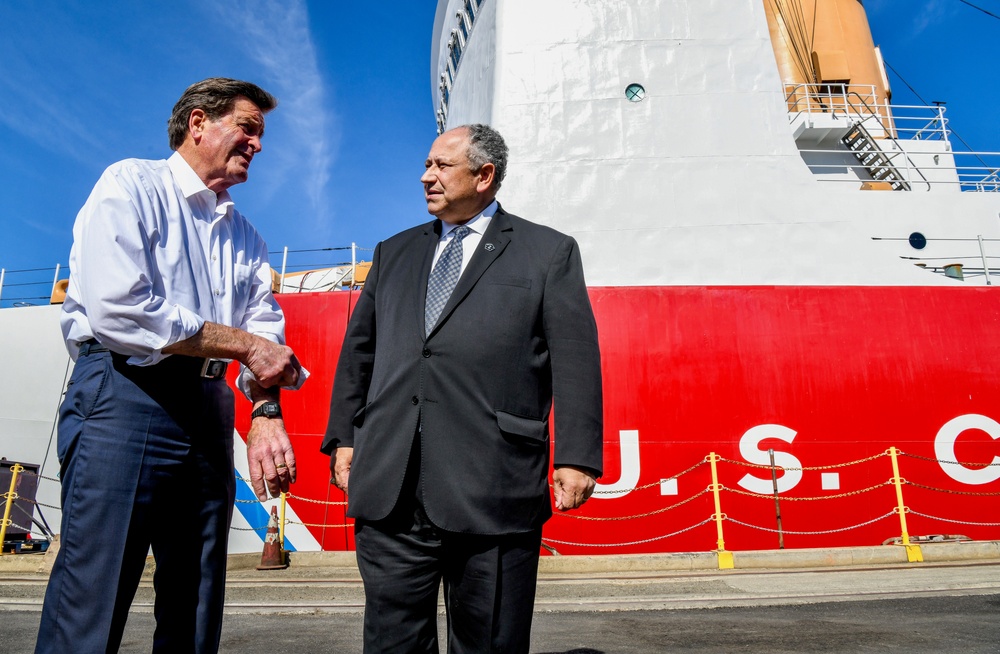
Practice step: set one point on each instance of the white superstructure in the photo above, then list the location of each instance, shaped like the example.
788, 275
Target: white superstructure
720, 173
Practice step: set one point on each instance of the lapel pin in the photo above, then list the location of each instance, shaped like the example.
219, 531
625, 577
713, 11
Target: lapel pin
489, 247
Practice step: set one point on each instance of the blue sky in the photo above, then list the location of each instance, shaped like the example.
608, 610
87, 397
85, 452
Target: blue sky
85, 83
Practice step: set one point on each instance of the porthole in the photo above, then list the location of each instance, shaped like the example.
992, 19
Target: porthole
918, 241
635, 92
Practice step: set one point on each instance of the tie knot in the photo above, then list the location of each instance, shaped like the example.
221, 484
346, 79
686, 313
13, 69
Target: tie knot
461, 232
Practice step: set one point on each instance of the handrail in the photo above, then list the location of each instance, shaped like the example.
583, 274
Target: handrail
801, 99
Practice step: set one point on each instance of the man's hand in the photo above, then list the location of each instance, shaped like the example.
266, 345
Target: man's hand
572, 487
273, 364
270, 456
340, 467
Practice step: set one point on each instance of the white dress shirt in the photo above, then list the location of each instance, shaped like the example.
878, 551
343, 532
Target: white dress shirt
477, 227
155, 255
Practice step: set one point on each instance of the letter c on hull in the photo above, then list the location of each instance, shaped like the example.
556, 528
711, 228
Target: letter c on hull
944, 449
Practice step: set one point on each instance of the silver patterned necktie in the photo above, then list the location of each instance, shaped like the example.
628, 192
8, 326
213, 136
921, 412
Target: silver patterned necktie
443, 278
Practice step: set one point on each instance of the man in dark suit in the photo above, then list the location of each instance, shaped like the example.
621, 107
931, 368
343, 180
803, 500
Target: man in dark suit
467, 328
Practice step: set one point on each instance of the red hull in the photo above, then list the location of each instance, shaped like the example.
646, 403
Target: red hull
827, 375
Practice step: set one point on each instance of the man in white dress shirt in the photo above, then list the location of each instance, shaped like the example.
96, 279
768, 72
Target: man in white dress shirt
168, 282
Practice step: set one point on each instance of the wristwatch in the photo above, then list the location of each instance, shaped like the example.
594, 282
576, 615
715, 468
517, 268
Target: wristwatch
268, 410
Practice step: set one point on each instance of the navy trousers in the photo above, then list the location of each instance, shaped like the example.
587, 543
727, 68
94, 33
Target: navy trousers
146, 458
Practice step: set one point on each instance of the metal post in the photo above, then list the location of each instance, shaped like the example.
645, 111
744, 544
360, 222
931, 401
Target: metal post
982, 253
3, 273
725, 558
354, 264
14, 470
913, 552
281, 520
284, 262
55, 280
777, 503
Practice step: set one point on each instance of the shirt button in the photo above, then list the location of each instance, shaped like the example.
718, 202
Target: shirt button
218, 292
214, 257
414, 400
426, 353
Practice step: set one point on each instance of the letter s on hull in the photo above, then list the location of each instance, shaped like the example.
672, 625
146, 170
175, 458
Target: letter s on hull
944, 449
750, 449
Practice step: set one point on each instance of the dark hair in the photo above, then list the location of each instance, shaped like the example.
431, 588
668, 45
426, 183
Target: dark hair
214, 96
487, 146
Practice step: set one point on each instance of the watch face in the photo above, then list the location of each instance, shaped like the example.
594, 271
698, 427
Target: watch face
268, 409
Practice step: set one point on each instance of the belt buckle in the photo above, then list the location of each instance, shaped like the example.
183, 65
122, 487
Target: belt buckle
214, 368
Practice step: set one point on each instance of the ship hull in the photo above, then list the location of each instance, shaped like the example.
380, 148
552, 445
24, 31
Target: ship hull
828, 378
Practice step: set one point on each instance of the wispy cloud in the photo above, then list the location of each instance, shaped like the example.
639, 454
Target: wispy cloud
278, 38
36, 108
929, 14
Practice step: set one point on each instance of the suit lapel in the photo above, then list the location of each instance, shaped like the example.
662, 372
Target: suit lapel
491, 246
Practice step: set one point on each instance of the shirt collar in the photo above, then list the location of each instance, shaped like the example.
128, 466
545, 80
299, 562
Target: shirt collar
478, 224
191, 185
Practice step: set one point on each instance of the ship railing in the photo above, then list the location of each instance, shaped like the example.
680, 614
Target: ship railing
970, 263
706, 484
296, 267
966, 171
989, 183
845, 99
32, 286
860, 105
24, 287
861, 102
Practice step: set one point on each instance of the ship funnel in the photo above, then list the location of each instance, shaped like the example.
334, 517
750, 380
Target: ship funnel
826, 49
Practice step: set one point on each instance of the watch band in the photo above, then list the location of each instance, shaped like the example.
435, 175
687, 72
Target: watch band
268, 410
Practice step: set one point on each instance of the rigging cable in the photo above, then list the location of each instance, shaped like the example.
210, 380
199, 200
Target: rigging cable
988, 13
953, 132
790, 22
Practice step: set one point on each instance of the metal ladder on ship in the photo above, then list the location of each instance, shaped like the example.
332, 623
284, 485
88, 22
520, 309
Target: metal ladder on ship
870, 156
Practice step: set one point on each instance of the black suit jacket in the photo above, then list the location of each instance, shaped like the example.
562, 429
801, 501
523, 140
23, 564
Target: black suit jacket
517, 331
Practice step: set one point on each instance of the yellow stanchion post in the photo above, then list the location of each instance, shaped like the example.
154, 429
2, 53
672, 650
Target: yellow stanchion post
11, 496
281, 521
913, 552
725, 558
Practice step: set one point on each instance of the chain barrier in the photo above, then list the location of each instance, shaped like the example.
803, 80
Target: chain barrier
655, 483
263, 527
638, 515
814, 533
808, 499
805, 468
311, 501
716, 487
630, 543
967, 464
952, 492
315, 524
32, 473
957, 522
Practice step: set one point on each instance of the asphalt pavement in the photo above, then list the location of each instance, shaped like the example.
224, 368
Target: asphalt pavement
848, 600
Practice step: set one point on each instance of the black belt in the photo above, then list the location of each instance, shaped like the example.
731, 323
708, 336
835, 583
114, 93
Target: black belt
209, 368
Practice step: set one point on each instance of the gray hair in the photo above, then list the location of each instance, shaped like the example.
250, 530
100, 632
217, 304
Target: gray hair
487, 146
215, 96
